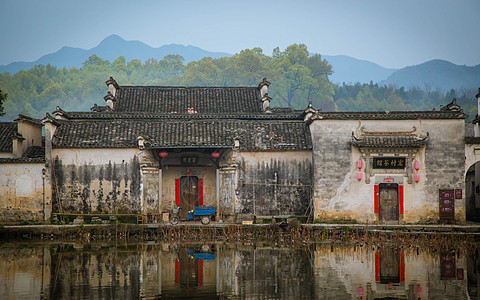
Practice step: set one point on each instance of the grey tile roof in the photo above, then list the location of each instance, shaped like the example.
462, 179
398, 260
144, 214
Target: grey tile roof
28, 160
158, 99
34, 154
7, 131
287, 115
390, 142
254, 135
390, 115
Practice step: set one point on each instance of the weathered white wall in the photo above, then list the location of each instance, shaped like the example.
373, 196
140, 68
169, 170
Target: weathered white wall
339, 195
94, 156
21, 189
97, 180
273, 183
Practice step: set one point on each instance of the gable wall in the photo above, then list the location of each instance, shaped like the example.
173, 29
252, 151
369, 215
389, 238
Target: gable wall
31, 133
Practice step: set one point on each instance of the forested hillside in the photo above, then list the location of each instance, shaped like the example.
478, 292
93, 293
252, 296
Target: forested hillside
296, 77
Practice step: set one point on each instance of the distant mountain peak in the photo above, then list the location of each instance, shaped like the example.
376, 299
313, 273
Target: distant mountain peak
113, 39
110, 48
436, 74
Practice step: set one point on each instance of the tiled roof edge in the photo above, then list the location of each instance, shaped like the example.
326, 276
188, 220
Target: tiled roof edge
200, 116
36, 160
389, 115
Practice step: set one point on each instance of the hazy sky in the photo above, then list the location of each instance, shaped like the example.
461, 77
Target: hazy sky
392, 33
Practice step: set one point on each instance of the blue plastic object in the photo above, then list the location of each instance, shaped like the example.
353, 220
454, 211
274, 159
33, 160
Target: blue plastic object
203, 210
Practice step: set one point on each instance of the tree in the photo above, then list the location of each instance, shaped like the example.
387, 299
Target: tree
302, 78
95, 61
3, 98
119, 64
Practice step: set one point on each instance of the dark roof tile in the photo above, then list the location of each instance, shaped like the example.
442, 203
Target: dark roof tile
258, 135
287, 115
34, 152
390, 115
390, 142
158, 99
7, 131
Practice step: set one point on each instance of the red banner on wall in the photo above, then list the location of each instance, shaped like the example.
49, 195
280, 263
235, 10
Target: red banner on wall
375, 197
177, 192
400, 198
200, 191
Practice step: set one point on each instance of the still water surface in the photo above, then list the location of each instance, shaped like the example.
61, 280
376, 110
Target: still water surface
232, 271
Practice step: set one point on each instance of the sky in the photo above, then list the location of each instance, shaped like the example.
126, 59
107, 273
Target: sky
391, 33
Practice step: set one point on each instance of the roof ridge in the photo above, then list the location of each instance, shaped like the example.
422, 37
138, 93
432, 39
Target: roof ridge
187, 87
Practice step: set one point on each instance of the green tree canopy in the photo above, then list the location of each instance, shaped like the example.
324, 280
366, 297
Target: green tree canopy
3, 98
302, 78
297, 77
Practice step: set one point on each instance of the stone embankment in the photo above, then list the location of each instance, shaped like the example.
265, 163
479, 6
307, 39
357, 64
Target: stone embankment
197, 231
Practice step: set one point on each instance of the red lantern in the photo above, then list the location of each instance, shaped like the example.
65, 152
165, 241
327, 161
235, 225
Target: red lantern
417, 177
417, 165
359, 176
359, 164
163, 154
215, 154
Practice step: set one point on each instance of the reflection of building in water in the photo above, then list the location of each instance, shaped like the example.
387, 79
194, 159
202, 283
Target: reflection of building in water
473, 276
358, 272
188, 270
212, 271
24, 272
258, 272
390, 271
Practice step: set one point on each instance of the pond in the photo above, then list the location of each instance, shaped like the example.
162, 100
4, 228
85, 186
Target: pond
217, 270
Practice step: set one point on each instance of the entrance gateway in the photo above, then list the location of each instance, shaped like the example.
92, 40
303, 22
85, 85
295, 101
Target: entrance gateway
388, 198
188, 193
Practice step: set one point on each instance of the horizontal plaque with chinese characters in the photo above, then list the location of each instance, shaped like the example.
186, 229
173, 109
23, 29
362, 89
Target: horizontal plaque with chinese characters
189, 160
389, 162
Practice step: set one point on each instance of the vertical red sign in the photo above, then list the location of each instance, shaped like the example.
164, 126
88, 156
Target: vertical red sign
177, 192
375, 198
200, 191
400, 198
458, 193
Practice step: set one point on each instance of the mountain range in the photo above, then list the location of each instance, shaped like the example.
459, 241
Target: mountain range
434, 74
111, 48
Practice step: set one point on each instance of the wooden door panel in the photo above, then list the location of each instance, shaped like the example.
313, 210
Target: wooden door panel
188, 194
388, 202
